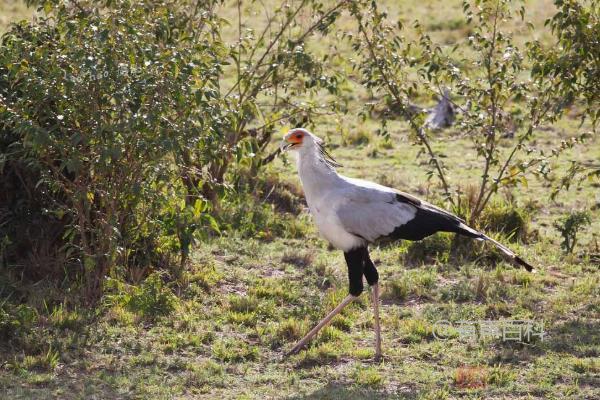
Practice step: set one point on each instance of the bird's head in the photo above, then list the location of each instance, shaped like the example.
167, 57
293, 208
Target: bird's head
299, 139
305, 144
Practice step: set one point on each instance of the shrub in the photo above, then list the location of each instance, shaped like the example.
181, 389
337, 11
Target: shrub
506, 219
491, 93
122, 125
569, 226
92, 106
571, 63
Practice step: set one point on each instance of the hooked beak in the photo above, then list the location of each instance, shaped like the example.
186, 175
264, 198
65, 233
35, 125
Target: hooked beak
285, 145
293, 139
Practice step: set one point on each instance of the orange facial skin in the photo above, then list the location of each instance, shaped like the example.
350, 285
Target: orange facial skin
295, 137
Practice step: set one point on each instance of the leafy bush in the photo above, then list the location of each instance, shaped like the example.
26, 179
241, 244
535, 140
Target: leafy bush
121, 128
569, 226
90, 123
571, 63
486, 74
571, 66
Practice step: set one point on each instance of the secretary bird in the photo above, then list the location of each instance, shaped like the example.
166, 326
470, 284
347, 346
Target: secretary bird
351, 213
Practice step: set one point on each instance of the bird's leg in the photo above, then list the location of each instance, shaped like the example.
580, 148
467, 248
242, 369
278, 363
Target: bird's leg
324, 322
373, 279
355, 261
375, 300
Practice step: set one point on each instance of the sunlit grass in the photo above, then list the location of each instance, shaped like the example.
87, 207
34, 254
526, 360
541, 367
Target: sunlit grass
13, 11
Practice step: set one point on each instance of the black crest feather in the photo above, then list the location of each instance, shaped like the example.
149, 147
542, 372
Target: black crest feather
329, 160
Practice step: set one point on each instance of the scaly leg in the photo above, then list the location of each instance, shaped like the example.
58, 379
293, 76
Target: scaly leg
324, 322
375, 300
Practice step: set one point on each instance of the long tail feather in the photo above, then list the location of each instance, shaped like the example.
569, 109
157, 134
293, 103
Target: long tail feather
515, 259
510, 254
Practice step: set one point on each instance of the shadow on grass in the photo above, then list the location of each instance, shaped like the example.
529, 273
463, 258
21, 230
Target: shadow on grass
579, 338
335, 391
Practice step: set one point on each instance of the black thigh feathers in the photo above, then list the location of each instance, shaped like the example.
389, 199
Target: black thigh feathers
359, 264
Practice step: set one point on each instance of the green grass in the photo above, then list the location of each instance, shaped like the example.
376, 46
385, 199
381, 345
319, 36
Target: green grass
220, 330
206, 348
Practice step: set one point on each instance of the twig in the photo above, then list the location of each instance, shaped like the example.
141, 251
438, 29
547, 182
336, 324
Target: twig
418, 130
490, 140
267, 51
266, 74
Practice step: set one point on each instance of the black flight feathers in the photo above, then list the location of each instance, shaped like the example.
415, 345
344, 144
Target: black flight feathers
430, 219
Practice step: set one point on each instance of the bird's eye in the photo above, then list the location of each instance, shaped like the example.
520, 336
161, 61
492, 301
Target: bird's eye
299, 136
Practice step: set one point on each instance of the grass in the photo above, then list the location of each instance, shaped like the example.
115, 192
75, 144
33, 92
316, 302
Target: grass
11, 11
220, 330
207, 348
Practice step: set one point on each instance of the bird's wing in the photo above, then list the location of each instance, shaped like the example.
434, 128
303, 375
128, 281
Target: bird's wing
372, 211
